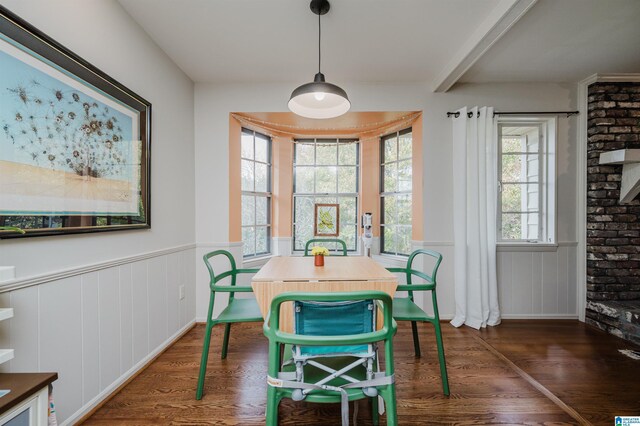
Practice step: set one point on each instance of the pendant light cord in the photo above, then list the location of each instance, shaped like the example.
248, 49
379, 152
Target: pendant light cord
319, 38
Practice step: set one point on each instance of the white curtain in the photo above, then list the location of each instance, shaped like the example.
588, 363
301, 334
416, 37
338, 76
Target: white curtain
474, 218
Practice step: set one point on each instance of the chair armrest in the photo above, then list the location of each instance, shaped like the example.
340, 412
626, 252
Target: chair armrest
247, 271
231, 288
402, 270
415, 287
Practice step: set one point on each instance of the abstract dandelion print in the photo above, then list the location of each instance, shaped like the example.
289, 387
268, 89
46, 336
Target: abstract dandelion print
75, 145
64, 148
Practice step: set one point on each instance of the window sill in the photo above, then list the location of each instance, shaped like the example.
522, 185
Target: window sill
526, 247
252, 262
390, 260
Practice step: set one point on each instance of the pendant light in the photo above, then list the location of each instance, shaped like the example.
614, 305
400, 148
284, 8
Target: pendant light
319, 99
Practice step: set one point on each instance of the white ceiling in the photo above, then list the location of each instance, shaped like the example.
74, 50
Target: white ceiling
565, 41
237, 41
276, 40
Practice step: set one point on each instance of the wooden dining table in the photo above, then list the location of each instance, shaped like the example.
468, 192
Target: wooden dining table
339, 274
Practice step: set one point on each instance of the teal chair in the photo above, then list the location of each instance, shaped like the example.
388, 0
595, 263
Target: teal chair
332, 357
404, 308
321, 241
238, 310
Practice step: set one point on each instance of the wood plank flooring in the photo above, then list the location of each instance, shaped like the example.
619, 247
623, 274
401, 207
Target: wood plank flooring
578, 363
574, 362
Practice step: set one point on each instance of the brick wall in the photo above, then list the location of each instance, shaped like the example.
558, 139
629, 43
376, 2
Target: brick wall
613, 230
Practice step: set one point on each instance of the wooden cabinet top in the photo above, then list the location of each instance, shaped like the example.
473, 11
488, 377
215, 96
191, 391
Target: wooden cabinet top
22, 386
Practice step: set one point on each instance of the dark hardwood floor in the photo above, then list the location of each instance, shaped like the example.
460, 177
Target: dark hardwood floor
533, 372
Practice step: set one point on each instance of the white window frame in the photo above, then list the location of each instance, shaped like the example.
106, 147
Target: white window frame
547, 159
388, 194
314, 194
255, 194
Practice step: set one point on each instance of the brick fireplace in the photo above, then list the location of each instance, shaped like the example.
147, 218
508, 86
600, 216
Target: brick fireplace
613, 229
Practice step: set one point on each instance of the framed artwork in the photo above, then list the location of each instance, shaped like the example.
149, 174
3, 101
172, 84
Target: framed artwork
74, 143
326, 220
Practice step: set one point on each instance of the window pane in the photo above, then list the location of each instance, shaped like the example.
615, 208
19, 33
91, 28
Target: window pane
390, 177
248, 239
303, 233
519, 197
390, 210
348, 235
326, 153
347, 179
389, 242
520, 138
304, 211
247, 175
247, 145
404, 240
404, 146
325, 179
325, 200
262, 182
530, 226
347, 153
390, 149
261, 210
262, 240
512, 143
347, 210
511, 168
304, 179
248, 210
404, 209
404, 175
520, 226
262, 149
304, 153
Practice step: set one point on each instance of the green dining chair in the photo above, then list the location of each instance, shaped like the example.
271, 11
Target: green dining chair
405, 309
321, 241
237, 310
332, 355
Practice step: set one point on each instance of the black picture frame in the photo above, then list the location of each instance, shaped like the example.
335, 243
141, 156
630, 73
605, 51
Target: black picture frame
24, 37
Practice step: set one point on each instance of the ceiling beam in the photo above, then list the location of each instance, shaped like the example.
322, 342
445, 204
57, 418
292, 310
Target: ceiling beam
499, 21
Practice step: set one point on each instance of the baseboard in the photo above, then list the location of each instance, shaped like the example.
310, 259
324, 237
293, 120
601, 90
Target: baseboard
99, 400
540, 316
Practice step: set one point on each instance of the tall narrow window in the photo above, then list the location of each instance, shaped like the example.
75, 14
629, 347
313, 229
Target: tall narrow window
256, 193
395, 193
526, 181
325, 171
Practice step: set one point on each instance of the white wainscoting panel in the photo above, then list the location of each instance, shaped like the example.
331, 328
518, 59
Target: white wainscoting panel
90, 335
98, 328
538, 284
60, 326
126, 319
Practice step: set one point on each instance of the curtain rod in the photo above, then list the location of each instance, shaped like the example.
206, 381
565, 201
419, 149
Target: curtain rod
469, 114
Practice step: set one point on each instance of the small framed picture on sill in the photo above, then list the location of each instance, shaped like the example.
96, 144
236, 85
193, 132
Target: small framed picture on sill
326, 220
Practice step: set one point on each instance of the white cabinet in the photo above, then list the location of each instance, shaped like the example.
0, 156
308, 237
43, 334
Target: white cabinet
31, 412
6, 354
27, 402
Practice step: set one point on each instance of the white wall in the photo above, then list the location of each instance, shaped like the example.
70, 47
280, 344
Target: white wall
214, 102
115, 301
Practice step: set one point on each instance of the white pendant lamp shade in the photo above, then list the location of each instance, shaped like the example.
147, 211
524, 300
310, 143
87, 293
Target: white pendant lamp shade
319, 99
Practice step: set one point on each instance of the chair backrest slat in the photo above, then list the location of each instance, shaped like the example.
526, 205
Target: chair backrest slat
213, 278
342, 244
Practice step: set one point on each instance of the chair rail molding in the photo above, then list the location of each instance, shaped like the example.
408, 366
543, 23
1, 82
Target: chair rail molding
33, 280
